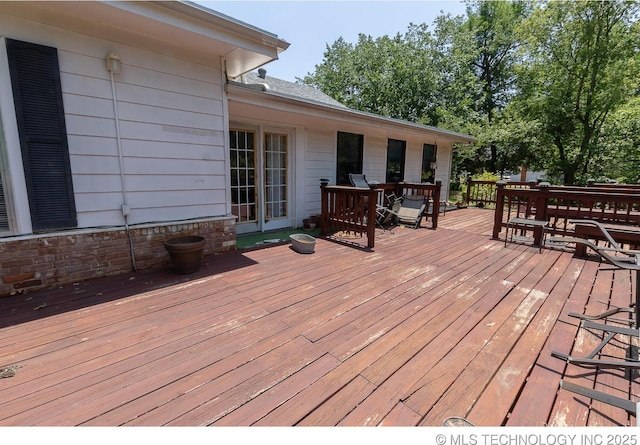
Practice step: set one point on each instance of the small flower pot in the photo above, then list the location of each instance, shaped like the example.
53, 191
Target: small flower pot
185, 253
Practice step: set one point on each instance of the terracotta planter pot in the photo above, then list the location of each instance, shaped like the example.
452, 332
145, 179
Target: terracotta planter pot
185, 253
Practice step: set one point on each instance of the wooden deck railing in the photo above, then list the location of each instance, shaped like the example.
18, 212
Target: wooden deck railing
485, 193
347, 208
432, 192
614, 186
560, 204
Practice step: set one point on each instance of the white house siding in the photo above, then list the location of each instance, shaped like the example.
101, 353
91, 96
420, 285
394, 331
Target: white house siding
320, 158
171, 124
443, 169
320, 161
375, 156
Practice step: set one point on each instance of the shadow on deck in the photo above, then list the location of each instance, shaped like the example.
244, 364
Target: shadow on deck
428, 324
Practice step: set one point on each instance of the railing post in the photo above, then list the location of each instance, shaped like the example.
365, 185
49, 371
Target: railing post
371, 217
542, 199
436, 203
324, 209
468, 190
497, 219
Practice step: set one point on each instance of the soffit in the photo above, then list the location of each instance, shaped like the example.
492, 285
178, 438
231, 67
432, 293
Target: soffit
157, 25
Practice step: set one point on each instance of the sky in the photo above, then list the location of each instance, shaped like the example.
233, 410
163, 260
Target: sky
309, 26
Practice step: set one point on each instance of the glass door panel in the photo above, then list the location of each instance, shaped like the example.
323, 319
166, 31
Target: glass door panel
243, 176
275, 171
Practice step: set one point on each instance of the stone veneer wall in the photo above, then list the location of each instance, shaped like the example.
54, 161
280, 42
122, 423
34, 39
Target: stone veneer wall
35, 262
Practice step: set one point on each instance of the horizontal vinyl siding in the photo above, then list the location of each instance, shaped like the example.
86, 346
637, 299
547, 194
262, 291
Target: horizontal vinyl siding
375, 157
413, 161
320, 163
172, 135
170, 104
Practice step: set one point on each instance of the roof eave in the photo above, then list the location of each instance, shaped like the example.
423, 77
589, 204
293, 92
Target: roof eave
249, 47
253, 93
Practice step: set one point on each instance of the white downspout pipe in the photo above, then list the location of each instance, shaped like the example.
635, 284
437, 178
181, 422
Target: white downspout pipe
113, 66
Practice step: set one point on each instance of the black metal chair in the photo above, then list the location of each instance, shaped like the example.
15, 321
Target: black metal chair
617, 258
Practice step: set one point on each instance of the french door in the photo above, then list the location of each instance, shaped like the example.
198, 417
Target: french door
260, 178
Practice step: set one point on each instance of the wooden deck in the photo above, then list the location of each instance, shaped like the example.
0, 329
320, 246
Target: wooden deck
429, 324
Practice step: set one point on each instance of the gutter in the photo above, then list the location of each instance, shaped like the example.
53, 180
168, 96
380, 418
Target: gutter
252, 91
219, 20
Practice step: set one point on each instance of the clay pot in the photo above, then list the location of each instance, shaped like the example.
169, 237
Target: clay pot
185, 253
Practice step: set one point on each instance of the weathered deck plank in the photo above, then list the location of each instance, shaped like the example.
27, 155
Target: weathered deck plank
430, 323
543, 383
494, 404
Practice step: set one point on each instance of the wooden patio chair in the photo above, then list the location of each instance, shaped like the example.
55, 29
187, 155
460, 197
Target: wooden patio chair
412, 210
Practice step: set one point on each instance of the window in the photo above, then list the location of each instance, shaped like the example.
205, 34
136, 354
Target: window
37, 94
243, 175
350, 151
429, 153
395, 160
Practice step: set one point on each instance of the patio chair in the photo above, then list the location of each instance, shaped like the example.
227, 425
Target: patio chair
389, 214
412, 210
611, 253
617, 258
358, 180
383, 214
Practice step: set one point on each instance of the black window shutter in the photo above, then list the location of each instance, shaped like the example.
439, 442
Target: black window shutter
37, 94
4, 215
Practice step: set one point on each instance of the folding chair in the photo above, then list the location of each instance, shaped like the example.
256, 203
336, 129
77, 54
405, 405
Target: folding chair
617, 258
358, 180
383, 214
412, 210
389, 214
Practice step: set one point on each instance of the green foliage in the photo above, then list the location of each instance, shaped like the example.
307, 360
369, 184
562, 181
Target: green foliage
486, 176
391, 77
581, 65
548, 85
620, 141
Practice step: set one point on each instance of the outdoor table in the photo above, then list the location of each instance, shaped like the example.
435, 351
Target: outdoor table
538, 227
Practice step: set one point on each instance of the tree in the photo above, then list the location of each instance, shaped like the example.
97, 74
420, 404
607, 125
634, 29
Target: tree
535, 82
477, 55
579, 67
391, 77
493, 26
620, 138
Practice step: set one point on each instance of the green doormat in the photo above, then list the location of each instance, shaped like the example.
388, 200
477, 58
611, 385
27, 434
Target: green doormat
265, 238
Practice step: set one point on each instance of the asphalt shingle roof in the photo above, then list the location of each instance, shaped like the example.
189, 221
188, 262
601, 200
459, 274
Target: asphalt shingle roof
296, 90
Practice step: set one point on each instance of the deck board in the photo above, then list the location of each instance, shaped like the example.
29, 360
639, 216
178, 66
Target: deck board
428, 324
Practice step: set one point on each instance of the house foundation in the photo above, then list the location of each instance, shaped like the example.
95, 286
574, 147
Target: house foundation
34, 262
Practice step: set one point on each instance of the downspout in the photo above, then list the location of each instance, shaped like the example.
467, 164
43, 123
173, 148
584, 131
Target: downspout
113, 66
227, 141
